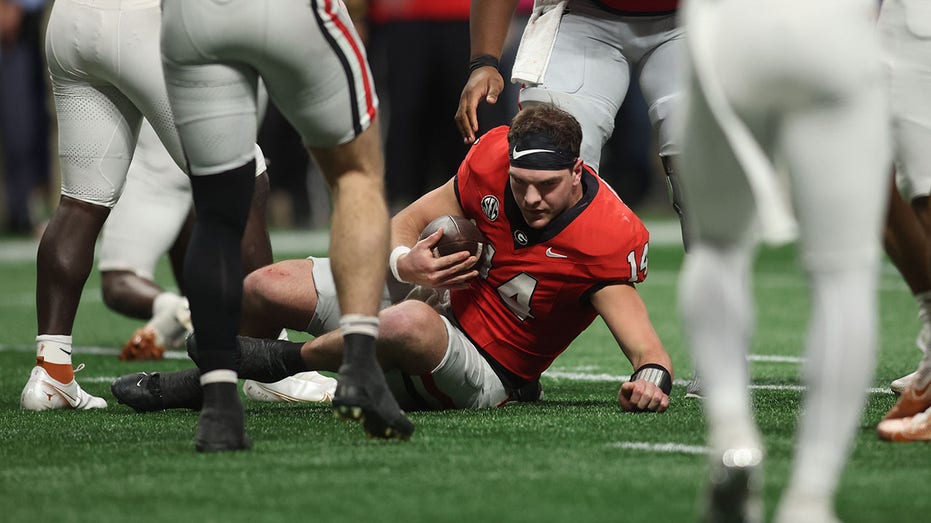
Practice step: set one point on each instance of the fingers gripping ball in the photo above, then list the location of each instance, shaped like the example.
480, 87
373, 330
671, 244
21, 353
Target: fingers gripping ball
459, 234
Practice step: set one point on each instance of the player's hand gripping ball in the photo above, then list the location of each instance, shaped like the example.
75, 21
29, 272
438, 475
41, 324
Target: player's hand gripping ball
459, 234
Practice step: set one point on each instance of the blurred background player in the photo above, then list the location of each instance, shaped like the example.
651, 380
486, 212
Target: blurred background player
315, 71
906, 243
905, 28
103, 62
815, 103
24, 115
152, 218
541, 283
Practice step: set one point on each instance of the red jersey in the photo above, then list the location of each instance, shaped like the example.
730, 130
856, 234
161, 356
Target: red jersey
532, 298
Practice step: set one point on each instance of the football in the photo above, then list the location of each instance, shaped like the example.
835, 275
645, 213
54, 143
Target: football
459, 234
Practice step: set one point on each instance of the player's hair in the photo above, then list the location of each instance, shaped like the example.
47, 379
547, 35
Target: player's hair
559, 127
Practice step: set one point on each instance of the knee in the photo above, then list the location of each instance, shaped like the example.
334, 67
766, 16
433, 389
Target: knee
258, 291
404, 321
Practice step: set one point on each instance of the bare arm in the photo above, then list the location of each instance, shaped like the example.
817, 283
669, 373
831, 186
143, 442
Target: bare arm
419, 266
626, 316
489, 21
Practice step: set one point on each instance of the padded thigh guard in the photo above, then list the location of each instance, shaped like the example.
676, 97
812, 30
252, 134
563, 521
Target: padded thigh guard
103, 64
213, 53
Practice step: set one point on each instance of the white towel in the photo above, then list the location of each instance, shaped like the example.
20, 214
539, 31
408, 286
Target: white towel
536, 44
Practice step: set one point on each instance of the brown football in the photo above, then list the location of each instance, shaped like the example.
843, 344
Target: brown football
459, 234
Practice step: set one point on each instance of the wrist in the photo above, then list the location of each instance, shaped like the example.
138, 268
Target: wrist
396, 254
484, 60
656, 374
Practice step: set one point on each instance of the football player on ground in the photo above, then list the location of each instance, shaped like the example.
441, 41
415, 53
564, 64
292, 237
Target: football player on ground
103, 62
314, 67
905, 28
815, 103
562, 249
582, 55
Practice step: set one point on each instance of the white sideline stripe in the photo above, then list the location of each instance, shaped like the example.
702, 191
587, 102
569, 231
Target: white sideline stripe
299, 243
677, 448
773, 358
96, 351
551, 374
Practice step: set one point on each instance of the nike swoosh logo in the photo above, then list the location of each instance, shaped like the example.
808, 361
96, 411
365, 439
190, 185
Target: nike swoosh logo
551, 254
525, 152
73, 400
139, 383
68, 352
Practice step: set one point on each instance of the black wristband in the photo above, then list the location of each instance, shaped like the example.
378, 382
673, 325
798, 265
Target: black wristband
483, 61
654, 373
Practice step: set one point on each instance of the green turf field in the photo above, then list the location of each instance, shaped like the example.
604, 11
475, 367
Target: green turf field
575, 457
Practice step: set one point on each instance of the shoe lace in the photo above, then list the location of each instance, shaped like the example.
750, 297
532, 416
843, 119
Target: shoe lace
79, 368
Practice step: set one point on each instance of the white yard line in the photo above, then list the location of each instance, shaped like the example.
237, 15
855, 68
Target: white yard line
673, 448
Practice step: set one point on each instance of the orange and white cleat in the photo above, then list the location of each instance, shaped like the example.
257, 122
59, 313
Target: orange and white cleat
143, 345
43, 392
911, 428
914, 399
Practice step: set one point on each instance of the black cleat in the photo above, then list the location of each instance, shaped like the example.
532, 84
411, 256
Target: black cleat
221, 425
146, 392
365, 397
139, 390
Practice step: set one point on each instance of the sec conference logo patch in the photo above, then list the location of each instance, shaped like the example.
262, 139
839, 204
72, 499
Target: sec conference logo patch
490, 207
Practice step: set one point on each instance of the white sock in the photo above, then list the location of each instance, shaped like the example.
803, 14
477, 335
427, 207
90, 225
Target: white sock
165, 320
219, 376
717, 309
840, 358
54, 348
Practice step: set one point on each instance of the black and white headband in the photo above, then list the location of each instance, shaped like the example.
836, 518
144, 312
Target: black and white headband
536, 151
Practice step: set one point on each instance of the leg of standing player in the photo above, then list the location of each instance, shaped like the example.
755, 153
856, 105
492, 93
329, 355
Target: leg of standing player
99, 115
210, 99
905, 243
